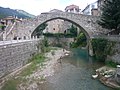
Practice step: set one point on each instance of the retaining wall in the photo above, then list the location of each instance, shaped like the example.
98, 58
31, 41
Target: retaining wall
15, 55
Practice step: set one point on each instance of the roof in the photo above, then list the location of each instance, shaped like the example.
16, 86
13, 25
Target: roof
11, 18
55, 10
71, 7
8, 18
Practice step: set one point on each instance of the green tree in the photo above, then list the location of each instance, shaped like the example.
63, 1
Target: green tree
80, 41
39, 30
110, 18
99, 46
73, 30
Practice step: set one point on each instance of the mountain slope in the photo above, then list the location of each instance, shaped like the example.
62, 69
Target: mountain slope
4, 12
25, 13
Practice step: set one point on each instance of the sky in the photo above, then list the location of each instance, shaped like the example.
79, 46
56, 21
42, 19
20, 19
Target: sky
36, 7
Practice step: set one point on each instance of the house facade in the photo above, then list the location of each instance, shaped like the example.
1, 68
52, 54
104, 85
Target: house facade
88, 8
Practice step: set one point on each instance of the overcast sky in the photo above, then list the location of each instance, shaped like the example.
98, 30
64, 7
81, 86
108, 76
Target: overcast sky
35, 7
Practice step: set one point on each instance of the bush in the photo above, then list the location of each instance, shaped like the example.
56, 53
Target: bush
102, 48
80, 41
111, 64
99, 46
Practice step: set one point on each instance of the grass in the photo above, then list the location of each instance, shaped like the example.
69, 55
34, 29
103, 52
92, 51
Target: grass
48, 49
11, 84
37, 59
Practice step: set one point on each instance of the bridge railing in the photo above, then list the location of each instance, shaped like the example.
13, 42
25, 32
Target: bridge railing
20, 41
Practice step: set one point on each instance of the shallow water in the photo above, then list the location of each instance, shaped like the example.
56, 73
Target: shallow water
74, 73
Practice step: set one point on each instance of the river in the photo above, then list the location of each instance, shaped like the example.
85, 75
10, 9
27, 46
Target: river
74, 73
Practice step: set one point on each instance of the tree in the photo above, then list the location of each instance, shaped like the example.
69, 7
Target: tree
39, 30
80, 41
73, 30
110, 18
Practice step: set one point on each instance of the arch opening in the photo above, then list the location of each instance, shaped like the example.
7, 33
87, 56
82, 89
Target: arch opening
81, 28
73, 22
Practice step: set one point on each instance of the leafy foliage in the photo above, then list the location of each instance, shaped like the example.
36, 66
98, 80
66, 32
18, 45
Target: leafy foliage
110, 18
102, 48
72, 30
80, 41
2, 27
99, 46
67, 35
39, 29
44, 45
111, 64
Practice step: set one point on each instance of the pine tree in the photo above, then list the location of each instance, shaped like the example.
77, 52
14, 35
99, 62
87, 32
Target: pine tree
110, 18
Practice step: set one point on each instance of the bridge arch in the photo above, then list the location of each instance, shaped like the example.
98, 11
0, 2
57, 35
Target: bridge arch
78, 25
71, 21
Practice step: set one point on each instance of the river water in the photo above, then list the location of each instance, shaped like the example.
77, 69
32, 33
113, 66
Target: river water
74, 73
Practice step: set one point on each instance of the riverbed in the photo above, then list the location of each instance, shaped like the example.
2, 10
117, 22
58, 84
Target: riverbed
74, 73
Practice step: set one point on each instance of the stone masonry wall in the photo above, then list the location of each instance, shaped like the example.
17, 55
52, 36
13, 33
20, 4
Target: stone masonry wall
65, 42
16, 55
116, 56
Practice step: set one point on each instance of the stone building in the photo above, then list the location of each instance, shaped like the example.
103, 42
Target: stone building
72, 9
8, 33
94, 12
54, 26
58, 25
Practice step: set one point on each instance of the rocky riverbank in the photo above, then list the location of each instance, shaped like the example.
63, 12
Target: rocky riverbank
35, 80
107, 76
38, 77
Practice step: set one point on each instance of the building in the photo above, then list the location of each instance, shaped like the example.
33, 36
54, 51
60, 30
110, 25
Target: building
9, 22
94, 12
88, 9
54, 26
72, 9
58, 25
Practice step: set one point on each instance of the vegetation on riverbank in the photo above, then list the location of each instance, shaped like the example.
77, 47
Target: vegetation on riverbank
80, 41
102, 48
111, 64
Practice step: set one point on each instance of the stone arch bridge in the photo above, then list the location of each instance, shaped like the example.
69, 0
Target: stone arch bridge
88, 24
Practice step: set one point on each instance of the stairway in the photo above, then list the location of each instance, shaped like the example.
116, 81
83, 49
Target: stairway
8, 30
